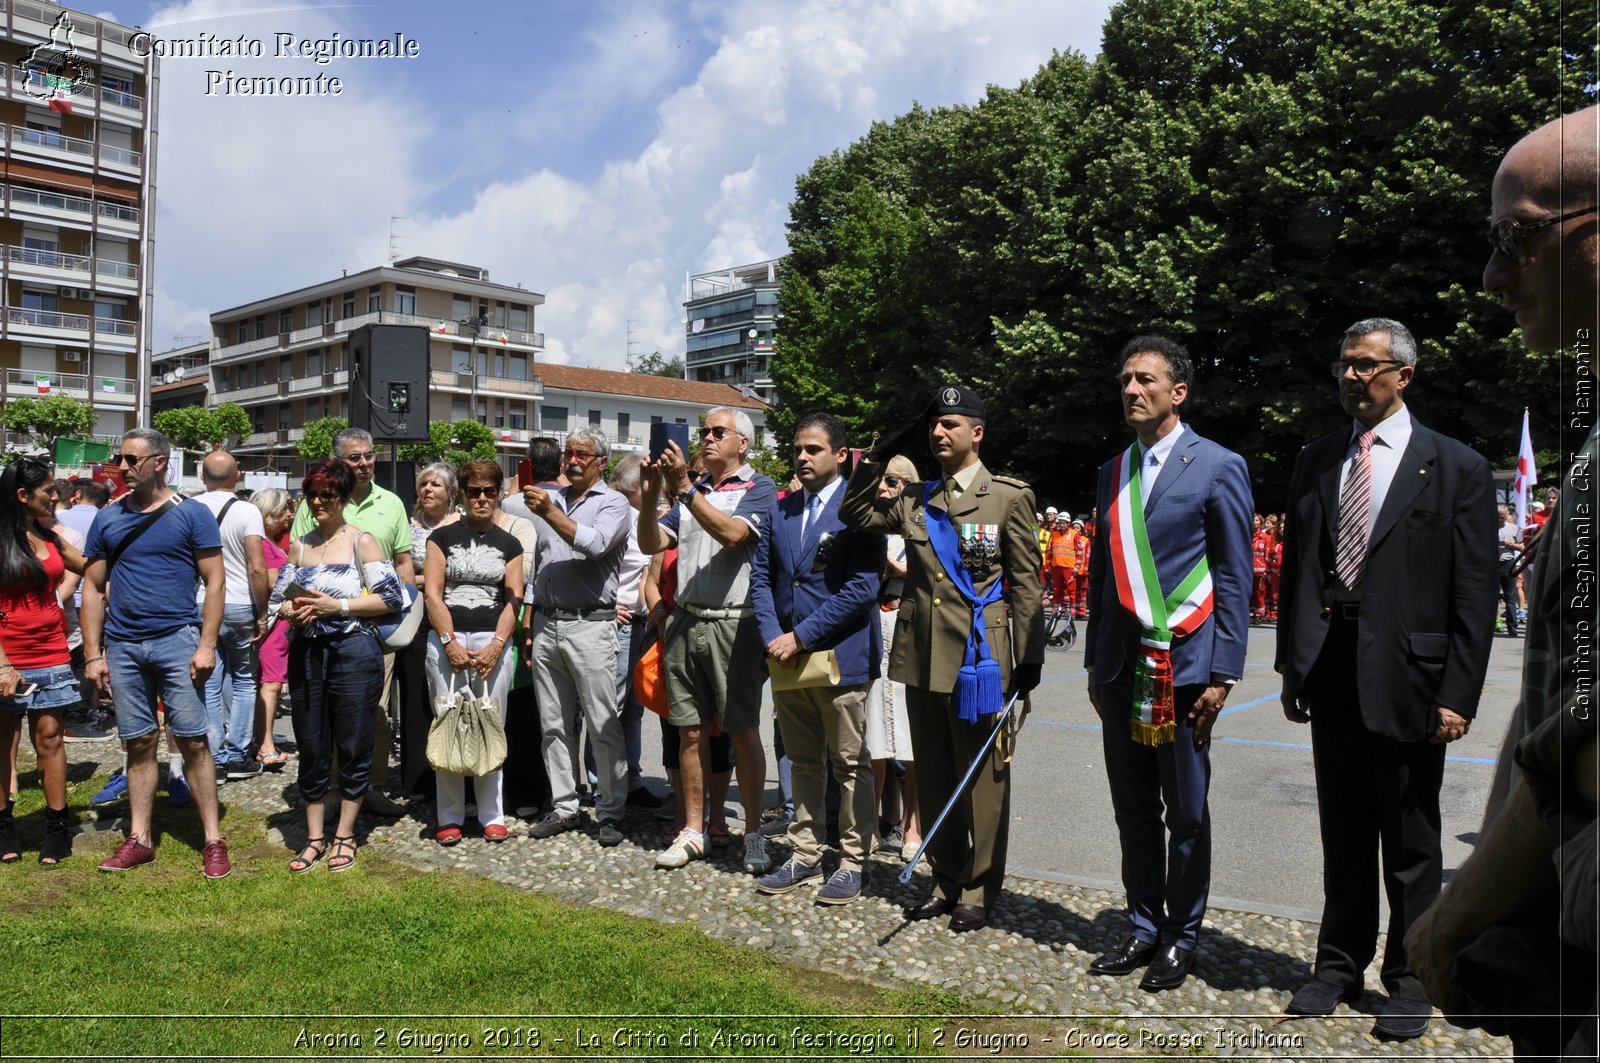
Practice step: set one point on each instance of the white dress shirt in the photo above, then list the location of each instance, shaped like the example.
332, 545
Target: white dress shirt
1154, 459
1393, 436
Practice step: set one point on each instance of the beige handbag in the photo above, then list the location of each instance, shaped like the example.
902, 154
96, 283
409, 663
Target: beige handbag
466, 736
815, 670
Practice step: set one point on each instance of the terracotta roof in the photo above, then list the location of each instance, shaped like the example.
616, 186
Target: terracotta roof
611, 382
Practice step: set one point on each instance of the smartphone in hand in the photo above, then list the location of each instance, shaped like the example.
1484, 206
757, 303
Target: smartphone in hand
661, 433
524, 473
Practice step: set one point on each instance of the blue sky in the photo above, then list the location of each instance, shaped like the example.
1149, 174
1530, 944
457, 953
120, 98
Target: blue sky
592, 152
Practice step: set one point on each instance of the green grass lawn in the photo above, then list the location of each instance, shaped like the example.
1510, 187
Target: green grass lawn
390, 961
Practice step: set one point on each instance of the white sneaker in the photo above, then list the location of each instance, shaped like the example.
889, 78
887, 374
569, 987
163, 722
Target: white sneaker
688, 845
756, 860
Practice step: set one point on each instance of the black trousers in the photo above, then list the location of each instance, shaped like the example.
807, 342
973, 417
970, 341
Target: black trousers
1375, 797
1508, 594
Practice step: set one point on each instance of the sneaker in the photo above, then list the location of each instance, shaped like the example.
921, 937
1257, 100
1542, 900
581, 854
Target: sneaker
244, 769
688, 845
552, 824
788, 877
892, 842
610, 833
214, 859
756, 859
178, 795
83, 731
778, 826
113, 791
129, 854
842, 888
718, 837
222, 775
641, 797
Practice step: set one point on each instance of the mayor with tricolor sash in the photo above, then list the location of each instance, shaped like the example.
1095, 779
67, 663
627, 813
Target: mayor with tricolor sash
1169, 590
970, 552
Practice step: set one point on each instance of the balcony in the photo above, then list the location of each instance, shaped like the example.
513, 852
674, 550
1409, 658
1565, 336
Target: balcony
59, 147
110, 101
90, 36
76, 211
486, 385
25, 323
103, 390
47, 265
317, 335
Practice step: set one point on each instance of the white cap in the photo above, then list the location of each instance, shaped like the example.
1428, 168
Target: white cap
1049, 509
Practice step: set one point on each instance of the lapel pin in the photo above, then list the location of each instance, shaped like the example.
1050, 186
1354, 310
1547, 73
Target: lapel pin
1184, 459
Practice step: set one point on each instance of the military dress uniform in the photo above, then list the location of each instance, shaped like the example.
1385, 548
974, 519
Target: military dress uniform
993, 516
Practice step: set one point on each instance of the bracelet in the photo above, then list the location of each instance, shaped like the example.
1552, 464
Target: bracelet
91, 660
9, 668
498, 639
344, 606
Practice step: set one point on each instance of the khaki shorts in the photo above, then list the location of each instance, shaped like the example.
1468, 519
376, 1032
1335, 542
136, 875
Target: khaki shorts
715, 669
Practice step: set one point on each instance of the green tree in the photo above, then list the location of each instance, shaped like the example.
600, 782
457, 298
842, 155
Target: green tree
452, 442
49, 418
196, 428
317, 442
1247, 178
657, 364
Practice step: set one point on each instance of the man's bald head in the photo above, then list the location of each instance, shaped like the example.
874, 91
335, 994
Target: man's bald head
1548, 189
220, 471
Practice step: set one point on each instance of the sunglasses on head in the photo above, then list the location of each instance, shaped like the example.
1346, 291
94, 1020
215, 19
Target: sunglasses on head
477, 491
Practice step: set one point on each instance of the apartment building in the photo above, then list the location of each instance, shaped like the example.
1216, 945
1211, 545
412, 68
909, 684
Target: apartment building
76, 210
730, 318
179, 377
284, 360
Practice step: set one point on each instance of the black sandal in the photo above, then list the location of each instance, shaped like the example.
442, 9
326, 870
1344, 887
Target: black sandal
316, 847
9, 853
342, 843
57, 845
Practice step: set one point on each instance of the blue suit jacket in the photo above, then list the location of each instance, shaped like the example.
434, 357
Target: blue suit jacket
835, 608
1200, 506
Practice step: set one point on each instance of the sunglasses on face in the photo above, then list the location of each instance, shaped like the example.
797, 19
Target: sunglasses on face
360, 459
716, 431
482, 492
127, 459
1507, 234
322, 496
1363, 368
893, 481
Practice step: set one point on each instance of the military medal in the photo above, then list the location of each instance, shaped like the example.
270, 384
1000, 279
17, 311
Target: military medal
980, 546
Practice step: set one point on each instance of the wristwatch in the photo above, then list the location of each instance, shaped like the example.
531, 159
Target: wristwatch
344, 606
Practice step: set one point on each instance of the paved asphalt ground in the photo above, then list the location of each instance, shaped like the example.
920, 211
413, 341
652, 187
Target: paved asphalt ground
1266, 853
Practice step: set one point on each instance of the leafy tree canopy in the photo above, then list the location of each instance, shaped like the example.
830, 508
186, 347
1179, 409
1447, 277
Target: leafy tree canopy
657, 364
453, 443
200, 429
317, 442
1248, 179
48, 418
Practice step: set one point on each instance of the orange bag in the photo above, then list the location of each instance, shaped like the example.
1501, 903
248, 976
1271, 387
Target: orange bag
650, 679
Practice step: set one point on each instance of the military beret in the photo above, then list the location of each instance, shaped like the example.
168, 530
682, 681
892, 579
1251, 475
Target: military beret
952, 399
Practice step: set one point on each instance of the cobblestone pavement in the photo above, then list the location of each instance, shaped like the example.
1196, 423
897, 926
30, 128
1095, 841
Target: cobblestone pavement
1031, 960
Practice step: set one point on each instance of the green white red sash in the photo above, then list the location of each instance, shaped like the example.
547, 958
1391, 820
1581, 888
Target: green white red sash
1161, 618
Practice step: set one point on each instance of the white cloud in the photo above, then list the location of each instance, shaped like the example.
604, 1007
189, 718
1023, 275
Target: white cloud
300, 191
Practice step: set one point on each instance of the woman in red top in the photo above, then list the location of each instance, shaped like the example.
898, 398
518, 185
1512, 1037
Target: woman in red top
36, 674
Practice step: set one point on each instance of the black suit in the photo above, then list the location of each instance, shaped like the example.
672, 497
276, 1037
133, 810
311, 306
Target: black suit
1371, 673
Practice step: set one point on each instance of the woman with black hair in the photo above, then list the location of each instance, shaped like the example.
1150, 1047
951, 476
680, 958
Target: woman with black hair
36, 674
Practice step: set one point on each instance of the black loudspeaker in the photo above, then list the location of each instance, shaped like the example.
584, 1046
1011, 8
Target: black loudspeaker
389, 382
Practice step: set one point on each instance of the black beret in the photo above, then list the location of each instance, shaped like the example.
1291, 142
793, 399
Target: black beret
952, 399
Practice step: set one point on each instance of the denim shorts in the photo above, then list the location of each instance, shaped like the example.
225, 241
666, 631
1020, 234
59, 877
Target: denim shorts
141, 672
57, 687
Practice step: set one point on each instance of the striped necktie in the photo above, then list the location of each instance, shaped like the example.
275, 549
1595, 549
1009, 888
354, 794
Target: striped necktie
1355, 506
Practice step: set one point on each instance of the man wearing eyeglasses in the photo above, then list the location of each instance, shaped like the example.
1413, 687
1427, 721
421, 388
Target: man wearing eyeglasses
583, 535
145, 553
1513, 938
1385, 617
380, 513
715, 660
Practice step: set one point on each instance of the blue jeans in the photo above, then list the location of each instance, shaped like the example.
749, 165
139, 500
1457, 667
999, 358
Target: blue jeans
141, 672
334, 685
230, 727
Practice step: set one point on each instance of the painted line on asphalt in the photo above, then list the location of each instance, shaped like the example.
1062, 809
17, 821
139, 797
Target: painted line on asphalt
1248, 741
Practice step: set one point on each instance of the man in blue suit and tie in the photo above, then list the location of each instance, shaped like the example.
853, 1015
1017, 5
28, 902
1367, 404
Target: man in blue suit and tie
814, 584
1169, 583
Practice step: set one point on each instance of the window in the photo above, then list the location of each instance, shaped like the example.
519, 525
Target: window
461, 361
655, 420
460, 307
261, 373
518, 318
458, 410
679, 420
244, 331
313, 314
553, 418
374, 301
285, 368
483, 412
313, 363
44, 301
405, 301
519, 417
117, 90
517, 367
285, 321
347, 307
499, 366
261, 326
594, 418
284, 420
623, 424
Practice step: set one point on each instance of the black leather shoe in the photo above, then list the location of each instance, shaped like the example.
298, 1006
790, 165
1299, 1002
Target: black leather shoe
1126, 958
1317, 997
1402, 1019
1169, 970
932, 908
967, 917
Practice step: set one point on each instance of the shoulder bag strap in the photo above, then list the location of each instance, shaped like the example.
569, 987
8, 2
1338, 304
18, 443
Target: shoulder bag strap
133, 536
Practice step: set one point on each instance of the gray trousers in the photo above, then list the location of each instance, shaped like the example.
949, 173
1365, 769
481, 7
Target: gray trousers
574, 669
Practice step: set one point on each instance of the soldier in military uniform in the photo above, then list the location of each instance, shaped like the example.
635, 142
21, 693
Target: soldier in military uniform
983, 525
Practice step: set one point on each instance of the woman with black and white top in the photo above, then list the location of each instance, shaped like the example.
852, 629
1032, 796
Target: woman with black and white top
472, 582
337, 580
